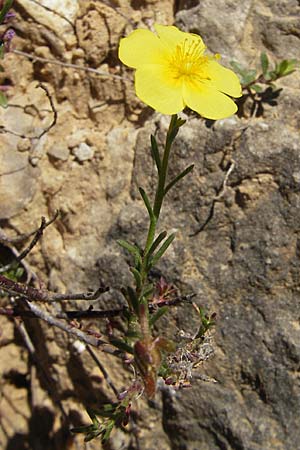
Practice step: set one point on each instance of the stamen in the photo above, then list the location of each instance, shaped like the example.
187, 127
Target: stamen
188, 61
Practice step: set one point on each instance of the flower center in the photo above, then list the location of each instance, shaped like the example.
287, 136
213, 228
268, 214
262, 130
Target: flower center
187, 62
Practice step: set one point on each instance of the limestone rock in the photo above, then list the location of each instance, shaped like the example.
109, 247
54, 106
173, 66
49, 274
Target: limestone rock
17, 182
84, 152
64, 12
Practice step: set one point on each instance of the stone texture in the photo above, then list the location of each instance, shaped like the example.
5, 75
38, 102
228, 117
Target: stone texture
244, 264
57, 15
84, 152
17, 181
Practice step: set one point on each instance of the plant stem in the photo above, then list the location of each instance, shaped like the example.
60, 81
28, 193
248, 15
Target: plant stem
160, 190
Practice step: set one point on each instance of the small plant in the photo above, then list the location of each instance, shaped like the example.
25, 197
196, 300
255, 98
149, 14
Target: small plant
172, 72
259, 85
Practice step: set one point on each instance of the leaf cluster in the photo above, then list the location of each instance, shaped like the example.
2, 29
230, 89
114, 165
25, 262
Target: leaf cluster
111, 415
254, 80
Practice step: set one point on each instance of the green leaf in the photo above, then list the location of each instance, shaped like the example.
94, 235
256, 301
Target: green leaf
155, 153
175, 124
133, 299
133, 335
157, 241
286, 67
3, 100
147, 291
133, 249
264, 60
137, 276
282, 67
238, 68
162, 249
147, 202
82, 429
273, 75
7, 5
108, 430
157, 315
249, 77
256, 88
179, 177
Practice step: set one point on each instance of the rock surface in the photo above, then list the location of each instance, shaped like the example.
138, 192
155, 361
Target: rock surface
237, 245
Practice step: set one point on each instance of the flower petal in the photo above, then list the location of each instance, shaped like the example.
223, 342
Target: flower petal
142, 47
154, 88
172, 37
207, 101
224, 80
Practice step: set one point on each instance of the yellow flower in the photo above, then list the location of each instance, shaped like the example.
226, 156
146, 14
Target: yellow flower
172, 72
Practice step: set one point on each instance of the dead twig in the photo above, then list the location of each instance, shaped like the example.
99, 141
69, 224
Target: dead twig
42, 295
90, 313
46, 130
70, 315
36, 238
54, 111
103, 370
69, 65
49, 318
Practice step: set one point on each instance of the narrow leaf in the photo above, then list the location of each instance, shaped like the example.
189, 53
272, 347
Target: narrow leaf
133, 249
134, 301
108, 430
256, 88
157, 315
157, 241
147, 202
238, 68
162, 249
179, 177
155, 153
173, 129
249, 77
137, 277
148, 290
264, 63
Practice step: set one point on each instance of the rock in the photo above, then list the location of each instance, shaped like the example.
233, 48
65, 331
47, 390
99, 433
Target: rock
59, 152
84, 152
17, 181
120, 150
221, 28
64, 12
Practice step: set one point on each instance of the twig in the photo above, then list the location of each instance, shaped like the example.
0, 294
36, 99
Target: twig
47, 317
91, 313
103, 370
36, 238
53, 123
41, 295
71, 66
46, 130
